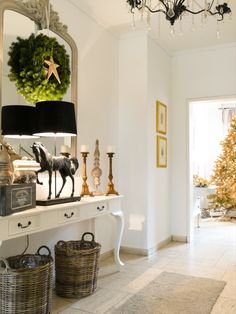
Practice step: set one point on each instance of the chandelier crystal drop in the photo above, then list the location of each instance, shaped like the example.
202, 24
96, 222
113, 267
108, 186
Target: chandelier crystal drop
175, 9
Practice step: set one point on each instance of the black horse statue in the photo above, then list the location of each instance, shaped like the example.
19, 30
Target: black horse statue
66, 166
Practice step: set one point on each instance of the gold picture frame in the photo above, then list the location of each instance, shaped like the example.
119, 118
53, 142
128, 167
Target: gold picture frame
161, 151
161, 117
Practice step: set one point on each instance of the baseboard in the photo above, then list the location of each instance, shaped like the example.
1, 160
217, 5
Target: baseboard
146, 252
136, 251
175, 238
106, 255
163, 243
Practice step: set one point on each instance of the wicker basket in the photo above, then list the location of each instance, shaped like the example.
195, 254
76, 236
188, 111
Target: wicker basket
26, 283
76, 264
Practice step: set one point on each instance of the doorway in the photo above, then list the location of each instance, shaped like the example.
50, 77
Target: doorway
209, 121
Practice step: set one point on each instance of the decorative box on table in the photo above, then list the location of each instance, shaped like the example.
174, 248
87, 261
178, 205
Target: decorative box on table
17, 197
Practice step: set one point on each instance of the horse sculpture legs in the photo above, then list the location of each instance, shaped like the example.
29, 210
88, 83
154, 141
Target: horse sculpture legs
63, 183
49, 181
73, 185
50, 184
40, 170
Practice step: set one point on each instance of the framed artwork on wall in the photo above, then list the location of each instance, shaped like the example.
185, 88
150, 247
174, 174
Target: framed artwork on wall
161, 117
161, 151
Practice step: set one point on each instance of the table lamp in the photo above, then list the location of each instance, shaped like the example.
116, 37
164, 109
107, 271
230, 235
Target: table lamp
17, 121
55, 119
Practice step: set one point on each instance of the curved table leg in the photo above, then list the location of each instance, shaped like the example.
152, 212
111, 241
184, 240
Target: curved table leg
119, 216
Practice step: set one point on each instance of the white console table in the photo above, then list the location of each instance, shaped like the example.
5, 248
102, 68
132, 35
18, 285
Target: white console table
43, 218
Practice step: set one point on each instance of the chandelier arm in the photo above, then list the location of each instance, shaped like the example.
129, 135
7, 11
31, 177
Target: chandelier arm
155, 11
217, 13
197, 12
163, 3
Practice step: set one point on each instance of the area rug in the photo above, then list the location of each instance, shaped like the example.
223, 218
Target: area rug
172, 293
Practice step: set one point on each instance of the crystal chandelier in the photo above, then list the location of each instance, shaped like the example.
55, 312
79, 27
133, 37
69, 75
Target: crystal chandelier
174, 10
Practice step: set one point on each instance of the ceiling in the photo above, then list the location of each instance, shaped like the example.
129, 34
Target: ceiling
114, 16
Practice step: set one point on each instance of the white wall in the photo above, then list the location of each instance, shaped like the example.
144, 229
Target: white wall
197, 74
97, 115
158, 84
133, 137
144, 77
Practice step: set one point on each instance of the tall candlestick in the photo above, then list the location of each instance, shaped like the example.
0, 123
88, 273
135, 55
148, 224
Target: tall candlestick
110, 186
85, 188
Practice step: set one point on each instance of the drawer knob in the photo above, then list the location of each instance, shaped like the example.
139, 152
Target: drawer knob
22, 226
69, 216
100, 208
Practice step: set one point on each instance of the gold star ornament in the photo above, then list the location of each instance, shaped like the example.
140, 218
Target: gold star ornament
52, 69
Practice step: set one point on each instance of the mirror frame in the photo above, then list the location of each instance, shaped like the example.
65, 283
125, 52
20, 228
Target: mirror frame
36, 11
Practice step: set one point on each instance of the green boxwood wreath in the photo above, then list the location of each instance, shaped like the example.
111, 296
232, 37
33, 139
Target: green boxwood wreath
29, 71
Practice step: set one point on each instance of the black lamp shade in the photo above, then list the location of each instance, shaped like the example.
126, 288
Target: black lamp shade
18, 121
55, 118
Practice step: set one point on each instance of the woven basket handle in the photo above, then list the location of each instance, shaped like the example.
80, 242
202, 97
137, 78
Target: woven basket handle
5, 262
90, 233
61, 243
46, 248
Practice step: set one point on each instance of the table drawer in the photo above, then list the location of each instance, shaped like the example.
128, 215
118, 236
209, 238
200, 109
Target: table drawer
92, 210
24, 224
67, 215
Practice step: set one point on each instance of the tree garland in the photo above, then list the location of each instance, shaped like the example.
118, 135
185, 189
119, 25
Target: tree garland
29, 71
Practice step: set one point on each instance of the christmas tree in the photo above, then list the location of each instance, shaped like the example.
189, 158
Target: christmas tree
224, 173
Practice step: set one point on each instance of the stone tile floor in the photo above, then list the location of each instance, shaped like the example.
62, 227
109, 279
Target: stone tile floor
212, 254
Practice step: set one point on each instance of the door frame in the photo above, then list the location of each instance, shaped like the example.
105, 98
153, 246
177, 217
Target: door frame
189, 192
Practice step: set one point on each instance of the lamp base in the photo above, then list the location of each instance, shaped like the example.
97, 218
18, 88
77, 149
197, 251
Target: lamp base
55, 201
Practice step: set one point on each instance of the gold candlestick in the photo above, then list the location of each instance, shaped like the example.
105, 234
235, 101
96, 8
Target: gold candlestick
85, 188
110, 186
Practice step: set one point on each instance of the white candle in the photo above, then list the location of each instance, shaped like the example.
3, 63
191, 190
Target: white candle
84, 149
65, 149
110, 149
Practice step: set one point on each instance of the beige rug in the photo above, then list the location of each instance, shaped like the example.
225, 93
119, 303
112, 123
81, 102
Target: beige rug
172, 293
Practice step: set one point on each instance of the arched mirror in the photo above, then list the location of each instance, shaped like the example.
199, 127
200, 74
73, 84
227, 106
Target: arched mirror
22, 18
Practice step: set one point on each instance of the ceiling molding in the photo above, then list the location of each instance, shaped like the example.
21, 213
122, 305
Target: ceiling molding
92, 16
202, 49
